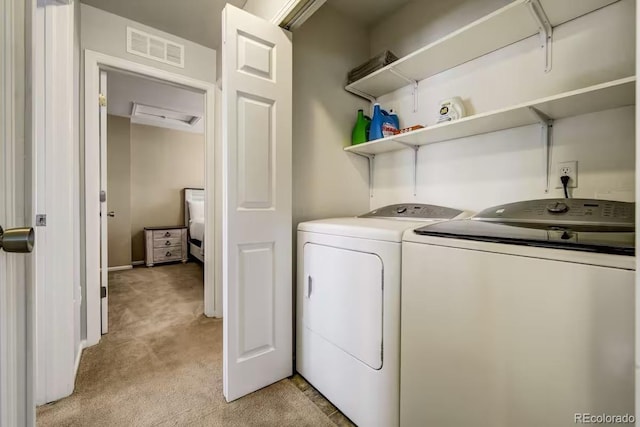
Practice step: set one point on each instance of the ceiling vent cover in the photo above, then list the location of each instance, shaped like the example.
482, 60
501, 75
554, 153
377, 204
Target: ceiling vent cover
155, 48
148, 114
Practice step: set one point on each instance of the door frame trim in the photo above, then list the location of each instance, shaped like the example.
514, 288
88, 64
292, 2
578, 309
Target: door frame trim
93, 63
16, 340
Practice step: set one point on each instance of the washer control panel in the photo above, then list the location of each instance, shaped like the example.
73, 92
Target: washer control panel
415, 211
605, 214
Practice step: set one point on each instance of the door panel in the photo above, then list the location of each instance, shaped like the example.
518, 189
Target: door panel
343, 300
257, 255
255, 147
104, 218
255, 286
255, 55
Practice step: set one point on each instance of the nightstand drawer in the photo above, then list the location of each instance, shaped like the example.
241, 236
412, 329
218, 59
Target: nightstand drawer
166, 242
172, 253
167, 234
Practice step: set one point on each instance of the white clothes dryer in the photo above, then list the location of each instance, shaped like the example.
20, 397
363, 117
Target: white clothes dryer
348, 308
521, 316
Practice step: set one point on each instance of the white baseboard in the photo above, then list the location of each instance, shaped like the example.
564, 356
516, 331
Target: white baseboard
137, 263
121, 267
81, 347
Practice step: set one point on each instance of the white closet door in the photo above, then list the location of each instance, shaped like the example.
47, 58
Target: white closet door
257, 254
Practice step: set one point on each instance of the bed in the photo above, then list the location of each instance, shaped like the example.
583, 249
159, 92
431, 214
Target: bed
194, 220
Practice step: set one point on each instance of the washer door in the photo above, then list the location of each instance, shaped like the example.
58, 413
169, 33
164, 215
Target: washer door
343, 291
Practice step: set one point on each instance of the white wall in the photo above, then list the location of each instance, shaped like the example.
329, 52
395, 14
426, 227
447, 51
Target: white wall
106, 33
419, 23
163, 163
482, 171
77, 189
326, 180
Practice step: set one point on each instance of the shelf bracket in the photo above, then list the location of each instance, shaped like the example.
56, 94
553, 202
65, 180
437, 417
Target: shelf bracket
360, 94
414, 85
415, 149
544, 28
369, 157
546, 123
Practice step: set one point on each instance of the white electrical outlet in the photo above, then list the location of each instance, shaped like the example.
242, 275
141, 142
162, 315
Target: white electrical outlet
571, 170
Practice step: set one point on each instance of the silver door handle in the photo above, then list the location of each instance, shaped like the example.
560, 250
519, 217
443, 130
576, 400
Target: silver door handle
309, 286
19, 240
111, 214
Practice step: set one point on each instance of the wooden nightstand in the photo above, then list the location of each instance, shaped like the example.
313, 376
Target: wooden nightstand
165, 244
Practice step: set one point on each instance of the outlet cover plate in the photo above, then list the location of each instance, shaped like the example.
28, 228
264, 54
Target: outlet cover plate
567, 168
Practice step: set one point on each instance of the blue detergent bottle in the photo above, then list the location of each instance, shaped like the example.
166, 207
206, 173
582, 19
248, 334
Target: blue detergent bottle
390, 124
379, 115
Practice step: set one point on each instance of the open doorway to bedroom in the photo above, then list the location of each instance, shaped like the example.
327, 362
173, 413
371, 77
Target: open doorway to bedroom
165, 329
168, 123
155, 179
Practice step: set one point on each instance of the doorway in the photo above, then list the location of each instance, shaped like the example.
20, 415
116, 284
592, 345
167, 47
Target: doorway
97, 68
152, 169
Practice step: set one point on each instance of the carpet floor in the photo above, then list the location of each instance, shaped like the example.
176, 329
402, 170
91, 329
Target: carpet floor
161, 365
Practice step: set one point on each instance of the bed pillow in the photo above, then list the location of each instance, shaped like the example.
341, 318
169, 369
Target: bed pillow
196, 210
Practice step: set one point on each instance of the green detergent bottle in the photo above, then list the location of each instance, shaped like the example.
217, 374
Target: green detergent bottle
359, 134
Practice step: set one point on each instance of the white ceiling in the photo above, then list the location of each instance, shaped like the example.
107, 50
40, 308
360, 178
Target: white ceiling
125, 89
195, 20
367, 12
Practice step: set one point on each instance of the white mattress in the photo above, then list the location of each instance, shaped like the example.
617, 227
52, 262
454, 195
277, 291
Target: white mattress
196, 229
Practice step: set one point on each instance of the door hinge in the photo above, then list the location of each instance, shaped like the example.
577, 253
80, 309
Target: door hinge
102, 100
103, 196
103, 291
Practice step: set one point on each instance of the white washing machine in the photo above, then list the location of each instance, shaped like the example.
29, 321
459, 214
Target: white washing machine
348, 308
521, 316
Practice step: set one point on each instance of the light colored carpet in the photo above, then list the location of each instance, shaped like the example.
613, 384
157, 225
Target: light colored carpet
161, 364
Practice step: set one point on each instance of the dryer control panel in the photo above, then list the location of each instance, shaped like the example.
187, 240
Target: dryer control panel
413, 211
600, 215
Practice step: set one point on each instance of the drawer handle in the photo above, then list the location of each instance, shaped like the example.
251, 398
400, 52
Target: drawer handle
167, 234
167, 243
168, 253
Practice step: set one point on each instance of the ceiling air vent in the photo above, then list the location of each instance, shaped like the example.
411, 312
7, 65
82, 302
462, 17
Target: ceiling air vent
155, 48
147, 114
